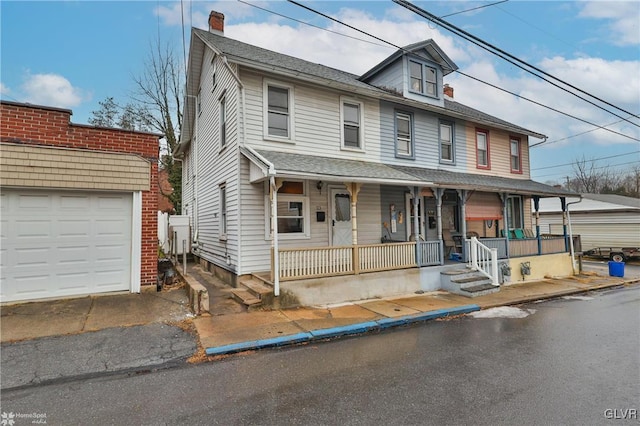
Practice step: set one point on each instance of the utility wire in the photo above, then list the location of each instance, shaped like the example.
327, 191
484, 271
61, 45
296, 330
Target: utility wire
588, 161
513, 59
460, 72
549, 108
475, 8
312, 25
573, 136
594, 168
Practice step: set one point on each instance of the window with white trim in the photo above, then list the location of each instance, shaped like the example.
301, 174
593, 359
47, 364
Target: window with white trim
351, 124
516, 157
404, 134
223, 121
482, 149
278, 111
515, 212
293, 210
423, 79
223, 211
446, 142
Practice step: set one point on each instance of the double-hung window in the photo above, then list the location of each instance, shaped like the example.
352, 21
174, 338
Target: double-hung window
293, 210
351, 119
223, 211
516, 157
404, 134
278, 107
446, 142
482, 149
423, 79
223, 121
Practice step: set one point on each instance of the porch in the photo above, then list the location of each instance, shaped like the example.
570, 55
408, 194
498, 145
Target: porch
305, 262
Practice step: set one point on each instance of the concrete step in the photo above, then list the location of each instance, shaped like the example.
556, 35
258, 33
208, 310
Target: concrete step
466, 282
257, 288
243, 296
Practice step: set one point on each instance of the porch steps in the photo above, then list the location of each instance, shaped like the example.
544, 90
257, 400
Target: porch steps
253, 292
467, 282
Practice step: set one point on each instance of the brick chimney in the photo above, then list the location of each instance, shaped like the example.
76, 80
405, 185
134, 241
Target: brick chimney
216, 21
448, 90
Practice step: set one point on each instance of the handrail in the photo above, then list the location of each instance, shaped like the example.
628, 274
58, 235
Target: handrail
484, 260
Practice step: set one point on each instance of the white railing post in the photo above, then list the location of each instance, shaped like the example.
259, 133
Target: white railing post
494, 267
474, 252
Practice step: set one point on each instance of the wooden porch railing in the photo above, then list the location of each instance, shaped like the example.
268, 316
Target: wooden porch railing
429, 253
523, 247
386, 257
297, 263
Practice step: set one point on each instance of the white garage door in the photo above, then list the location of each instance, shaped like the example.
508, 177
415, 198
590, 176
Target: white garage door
63, 243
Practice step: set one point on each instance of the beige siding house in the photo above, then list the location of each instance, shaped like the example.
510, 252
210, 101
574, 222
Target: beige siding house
301, 175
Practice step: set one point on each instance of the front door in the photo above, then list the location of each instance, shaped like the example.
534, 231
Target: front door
340, 218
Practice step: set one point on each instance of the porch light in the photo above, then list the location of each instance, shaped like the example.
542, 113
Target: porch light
319, 185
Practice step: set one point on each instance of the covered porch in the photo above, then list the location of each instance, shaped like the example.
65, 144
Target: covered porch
429, 204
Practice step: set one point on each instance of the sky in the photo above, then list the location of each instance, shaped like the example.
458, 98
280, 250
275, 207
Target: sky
74, 54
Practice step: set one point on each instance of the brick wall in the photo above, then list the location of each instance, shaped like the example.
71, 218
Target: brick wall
45, 126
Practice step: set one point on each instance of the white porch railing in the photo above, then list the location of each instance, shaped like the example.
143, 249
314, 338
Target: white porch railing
297, 263
484, 260
315, 262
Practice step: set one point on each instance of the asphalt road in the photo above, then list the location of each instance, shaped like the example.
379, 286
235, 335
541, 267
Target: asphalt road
567, 361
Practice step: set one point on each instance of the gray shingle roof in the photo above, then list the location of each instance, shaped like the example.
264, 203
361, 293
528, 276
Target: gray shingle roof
338, 169
253, 55
615, 199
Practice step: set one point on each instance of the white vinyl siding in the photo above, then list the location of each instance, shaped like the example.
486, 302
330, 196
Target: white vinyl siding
317, 129
216, 166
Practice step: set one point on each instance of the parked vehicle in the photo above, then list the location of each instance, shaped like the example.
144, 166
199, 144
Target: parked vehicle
617, 254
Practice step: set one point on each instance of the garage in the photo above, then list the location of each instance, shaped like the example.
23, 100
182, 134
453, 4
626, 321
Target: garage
59, 243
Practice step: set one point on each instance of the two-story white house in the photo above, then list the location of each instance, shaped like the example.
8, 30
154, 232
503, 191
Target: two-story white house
337, 186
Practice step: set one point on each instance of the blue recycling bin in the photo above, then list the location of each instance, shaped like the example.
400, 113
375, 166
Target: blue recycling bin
616, 269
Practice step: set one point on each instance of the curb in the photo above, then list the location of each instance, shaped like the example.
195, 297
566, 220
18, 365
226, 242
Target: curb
335, 332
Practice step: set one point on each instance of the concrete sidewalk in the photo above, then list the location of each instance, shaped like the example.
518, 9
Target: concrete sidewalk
68, 339
231, 333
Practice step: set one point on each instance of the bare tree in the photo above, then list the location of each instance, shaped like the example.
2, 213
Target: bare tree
586, 178
159, 94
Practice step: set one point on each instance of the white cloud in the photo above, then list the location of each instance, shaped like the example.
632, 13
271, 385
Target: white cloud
624, 28
51, 90
4, 90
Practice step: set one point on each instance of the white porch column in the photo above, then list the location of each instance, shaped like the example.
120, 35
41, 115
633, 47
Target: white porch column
505, 221
438, 196
415, 193
274, 185
354, 188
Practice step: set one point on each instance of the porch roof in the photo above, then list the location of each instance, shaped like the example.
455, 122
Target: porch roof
489, 183
285, 164
291, 165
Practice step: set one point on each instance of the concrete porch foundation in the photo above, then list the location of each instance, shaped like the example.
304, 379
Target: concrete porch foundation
348, 288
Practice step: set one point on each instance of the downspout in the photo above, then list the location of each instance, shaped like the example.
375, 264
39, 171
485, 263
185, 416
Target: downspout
536, 206
572, 252
505, 222
462, 196
273, 193
563, 203
416, 223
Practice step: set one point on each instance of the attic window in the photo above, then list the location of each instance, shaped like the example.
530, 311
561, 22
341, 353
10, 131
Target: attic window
423, 79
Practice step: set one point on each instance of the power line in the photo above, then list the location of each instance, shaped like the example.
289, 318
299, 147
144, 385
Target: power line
475, 8
573, 136
460, 72
312, 25
594, 168
588, 161
513, 59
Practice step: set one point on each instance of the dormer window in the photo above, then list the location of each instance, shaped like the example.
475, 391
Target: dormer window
423, 79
